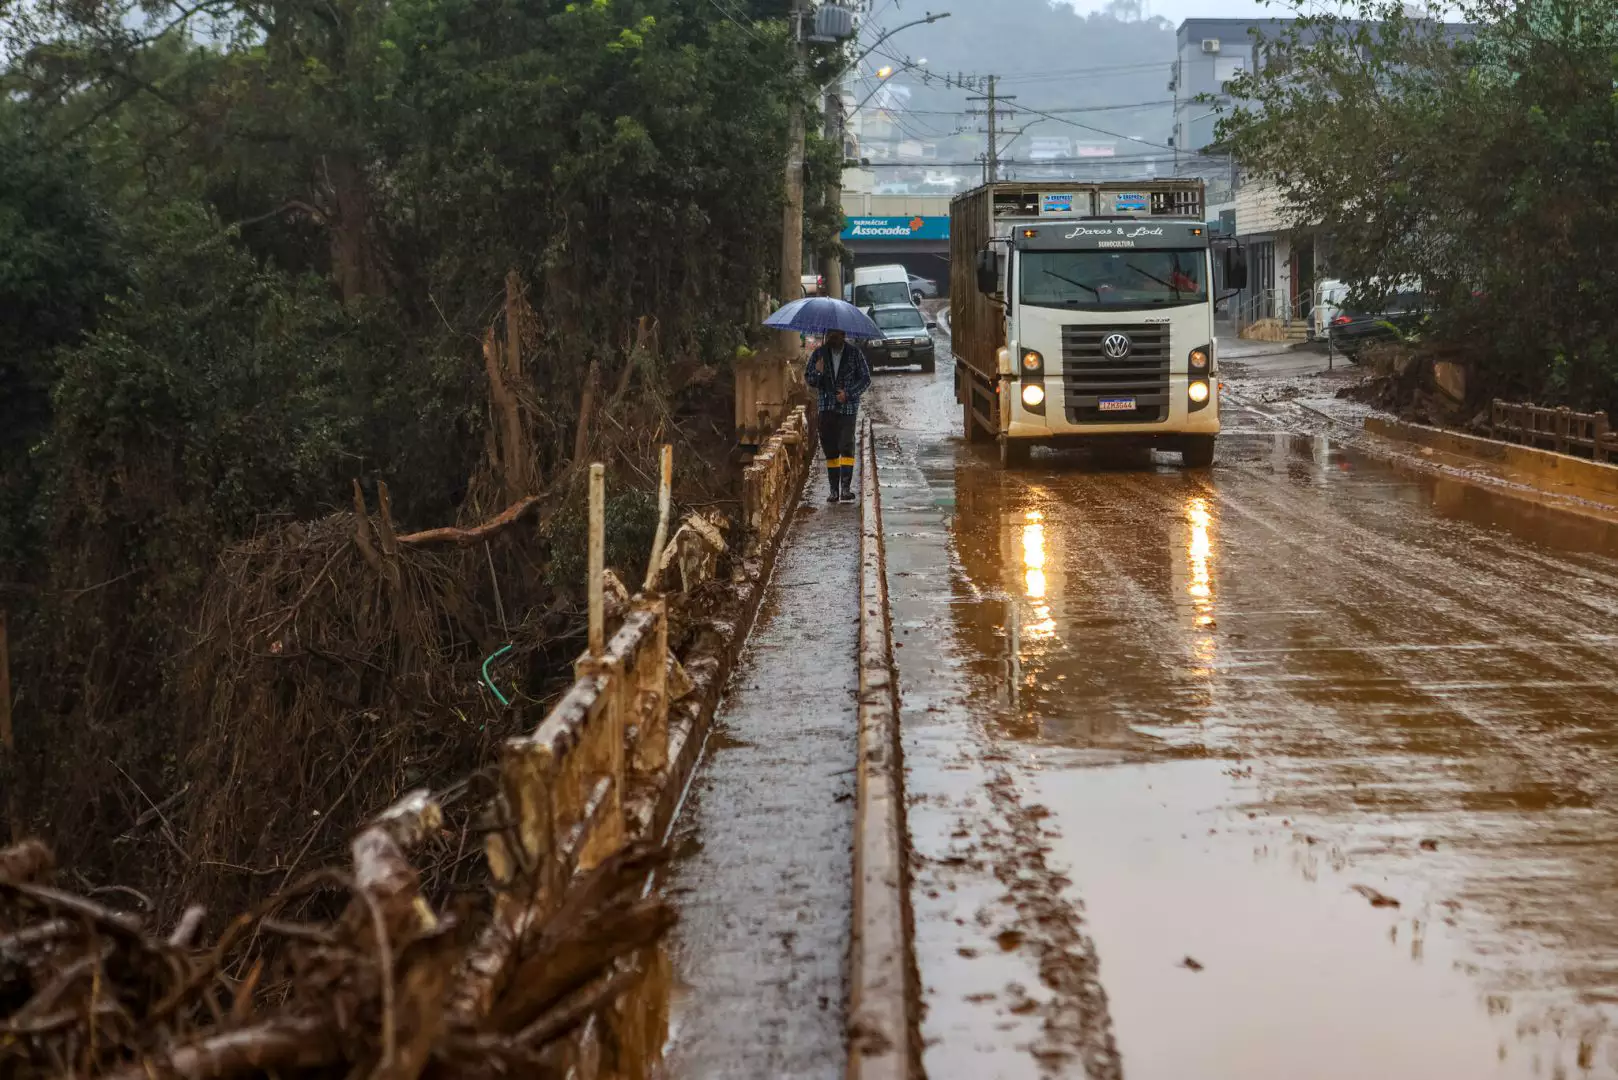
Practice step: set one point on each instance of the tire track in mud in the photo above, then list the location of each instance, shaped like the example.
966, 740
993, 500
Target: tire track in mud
1075, 1020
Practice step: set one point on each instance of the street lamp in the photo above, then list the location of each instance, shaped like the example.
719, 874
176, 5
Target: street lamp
884, 73
835, 118
930, 18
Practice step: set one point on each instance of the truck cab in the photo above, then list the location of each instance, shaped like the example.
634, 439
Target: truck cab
1104, 331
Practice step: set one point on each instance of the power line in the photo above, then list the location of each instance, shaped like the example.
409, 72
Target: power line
1102, 131
1092, 69
748, 30
1060, 109
1064, 163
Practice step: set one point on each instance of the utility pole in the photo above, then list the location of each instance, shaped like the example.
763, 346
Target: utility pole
761, 380
991, 159
792, 214
832, 272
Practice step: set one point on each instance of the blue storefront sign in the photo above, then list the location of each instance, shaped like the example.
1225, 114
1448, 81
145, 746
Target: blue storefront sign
896, 228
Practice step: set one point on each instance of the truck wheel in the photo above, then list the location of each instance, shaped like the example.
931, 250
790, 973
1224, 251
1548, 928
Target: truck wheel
1013, 452
1197, 451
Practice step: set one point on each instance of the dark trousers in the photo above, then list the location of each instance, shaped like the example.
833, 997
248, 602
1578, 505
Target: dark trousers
837, 443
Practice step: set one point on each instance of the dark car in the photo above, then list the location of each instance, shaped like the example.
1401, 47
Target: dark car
1351, 331
905, 339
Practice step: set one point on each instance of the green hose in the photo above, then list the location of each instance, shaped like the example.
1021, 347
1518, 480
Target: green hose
490, 682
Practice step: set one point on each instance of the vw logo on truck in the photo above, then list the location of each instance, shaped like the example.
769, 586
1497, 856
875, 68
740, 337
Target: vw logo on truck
1116, 346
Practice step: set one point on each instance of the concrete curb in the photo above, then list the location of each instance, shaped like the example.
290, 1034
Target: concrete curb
1542, 470
884, 1035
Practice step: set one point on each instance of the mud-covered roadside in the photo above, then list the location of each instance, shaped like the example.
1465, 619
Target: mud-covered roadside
1298, 761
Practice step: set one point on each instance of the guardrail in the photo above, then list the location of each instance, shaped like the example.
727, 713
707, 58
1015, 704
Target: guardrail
773, 477
590, 780
1559, 429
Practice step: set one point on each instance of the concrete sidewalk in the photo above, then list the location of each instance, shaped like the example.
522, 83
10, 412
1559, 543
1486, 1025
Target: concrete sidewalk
762, 879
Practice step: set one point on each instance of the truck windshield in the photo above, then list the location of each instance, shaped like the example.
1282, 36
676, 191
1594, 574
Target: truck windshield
881, 292
1102, 280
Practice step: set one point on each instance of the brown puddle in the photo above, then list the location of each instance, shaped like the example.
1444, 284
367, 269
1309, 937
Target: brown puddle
1328, 753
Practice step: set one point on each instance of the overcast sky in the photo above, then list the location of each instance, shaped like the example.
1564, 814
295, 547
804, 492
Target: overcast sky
1176, 10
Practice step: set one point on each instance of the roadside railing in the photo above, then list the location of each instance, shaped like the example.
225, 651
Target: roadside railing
772, 477
1559, 429
585, 784
1265, 304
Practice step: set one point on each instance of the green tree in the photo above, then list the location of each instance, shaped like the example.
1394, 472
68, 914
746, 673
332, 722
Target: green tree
1482, 163
299, 228
57, 263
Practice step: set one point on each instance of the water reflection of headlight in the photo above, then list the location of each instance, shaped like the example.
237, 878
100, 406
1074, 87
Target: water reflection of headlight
1033, 546
1034, 583
1200, 550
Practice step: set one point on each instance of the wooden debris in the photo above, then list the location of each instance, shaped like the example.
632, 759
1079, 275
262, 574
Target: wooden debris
97, 993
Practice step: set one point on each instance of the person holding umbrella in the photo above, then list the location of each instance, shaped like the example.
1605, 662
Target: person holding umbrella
840, 374
839, 371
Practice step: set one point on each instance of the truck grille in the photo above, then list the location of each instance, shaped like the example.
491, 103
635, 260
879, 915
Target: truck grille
1089, 375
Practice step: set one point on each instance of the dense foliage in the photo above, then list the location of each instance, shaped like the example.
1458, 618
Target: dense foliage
249, 250
1483, 162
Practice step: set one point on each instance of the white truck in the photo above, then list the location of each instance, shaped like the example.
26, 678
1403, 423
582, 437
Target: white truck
1084, 312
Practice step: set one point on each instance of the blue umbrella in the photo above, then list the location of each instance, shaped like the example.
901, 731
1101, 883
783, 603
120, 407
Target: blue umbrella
818, 314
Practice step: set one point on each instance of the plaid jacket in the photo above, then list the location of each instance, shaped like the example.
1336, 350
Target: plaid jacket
853, 378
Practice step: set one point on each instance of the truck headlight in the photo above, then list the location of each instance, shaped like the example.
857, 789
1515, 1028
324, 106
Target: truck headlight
1033, 395
1032, 362
1199, 391
1199, 359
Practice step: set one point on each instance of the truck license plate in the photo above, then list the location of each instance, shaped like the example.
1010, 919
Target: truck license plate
1117, 404
900, 354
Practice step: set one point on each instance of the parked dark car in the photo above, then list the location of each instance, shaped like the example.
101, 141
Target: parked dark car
1351, 331
905, 338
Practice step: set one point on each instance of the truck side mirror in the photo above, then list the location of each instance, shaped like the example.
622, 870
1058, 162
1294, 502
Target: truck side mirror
1235, 268
988, 269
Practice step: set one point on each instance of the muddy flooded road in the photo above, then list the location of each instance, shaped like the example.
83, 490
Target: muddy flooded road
1301, 766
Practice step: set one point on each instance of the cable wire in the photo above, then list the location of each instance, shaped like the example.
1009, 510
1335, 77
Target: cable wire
748, 30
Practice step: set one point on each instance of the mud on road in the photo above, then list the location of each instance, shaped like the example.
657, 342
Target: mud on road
1298, 766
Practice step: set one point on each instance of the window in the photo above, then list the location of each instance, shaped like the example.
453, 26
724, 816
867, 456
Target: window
1099, 280
882, 292
899, 319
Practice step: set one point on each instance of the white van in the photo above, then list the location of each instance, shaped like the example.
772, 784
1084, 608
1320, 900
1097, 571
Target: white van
1328, 301
875, 286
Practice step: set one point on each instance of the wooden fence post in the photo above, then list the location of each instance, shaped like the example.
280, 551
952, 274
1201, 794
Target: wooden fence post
665, 496
598, 559
8, 737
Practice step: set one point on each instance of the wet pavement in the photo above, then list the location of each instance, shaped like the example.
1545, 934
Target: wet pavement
762, 877
1301, 766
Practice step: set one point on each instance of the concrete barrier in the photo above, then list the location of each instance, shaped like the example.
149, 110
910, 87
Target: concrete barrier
775, 474
1543, 469
884, 1036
